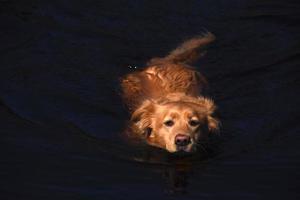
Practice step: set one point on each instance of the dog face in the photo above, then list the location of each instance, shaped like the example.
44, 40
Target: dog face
175, 123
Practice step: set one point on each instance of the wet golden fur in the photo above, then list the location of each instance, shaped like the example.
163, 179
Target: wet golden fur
168, 89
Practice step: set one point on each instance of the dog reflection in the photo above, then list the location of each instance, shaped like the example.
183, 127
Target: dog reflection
175, 168
176, 178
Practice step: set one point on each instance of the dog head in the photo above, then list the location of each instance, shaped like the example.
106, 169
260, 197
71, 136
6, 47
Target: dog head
175, 122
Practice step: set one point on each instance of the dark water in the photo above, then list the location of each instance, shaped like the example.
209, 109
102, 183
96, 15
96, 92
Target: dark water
61, 116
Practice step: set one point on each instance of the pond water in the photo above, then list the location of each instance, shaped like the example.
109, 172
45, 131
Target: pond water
62, 117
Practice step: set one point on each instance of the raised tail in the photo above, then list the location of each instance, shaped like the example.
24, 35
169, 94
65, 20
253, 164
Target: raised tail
188, 52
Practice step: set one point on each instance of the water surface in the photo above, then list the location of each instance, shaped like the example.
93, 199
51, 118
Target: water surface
62, 116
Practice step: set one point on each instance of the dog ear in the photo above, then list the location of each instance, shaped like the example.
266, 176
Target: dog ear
142, 118
208, 107
213, 124
188, 52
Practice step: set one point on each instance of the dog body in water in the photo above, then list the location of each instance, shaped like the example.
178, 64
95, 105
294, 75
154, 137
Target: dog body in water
165, 101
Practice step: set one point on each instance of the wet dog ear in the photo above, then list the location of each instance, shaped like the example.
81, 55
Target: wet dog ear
208, 107
188, 52
142, 118
213, 124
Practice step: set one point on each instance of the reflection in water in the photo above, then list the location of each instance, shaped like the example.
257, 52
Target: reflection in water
175, 168
177, 178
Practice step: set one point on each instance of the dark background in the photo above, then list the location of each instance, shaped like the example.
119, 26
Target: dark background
61, 115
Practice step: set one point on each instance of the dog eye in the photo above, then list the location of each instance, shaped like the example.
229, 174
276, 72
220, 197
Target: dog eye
194, 123
169, 123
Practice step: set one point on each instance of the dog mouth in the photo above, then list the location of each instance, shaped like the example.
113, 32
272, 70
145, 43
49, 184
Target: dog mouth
185, 149
182, 148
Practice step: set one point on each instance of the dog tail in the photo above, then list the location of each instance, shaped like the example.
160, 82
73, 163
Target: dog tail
189, 51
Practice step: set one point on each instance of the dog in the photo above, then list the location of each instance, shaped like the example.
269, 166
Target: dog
165, 102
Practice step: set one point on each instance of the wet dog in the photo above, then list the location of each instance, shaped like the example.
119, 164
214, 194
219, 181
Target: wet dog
165, 101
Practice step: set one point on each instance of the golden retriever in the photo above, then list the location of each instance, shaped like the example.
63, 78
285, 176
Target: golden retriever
165, 101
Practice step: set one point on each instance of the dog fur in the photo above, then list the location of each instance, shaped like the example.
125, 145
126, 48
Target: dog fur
165, 99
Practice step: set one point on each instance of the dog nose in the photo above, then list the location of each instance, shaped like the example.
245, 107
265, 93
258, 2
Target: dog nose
182, 140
